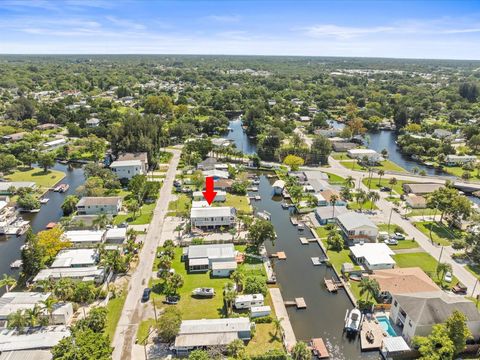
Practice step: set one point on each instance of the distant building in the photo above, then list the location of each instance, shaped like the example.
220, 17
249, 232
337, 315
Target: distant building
47, 126
99, 205
213, 217
91, 273
454, 160
441, 133
85, 238
372, 156
9, 187
357, 227
415, 201
416, 313
142, 156
207, 164
126, 169
38, 338
203, 257
373, 256
200, 334
55, 143
93, 122
421, 188
216, 174
220, 197
75, 258
14, 137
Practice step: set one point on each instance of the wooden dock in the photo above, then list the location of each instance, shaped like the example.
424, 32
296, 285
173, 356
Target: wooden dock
294, 221
332, 285
319, 349
299, 303
306, 241
371, 335
289, 338
280, 255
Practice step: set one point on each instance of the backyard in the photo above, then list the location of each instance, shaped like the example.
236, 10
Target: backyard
143, 216
376, 184
239, 202
440, 234
180, 206
386, 165
38, 176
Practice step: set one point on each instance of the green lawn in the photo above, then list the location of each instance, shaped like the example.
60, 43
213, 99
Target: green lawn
42, 179
143, 329
458, 171
375, 184
335, 179
114, 307
393, 228
264, 340
440, 233
144, 216
367, 205
386, 165
405, 244
179, 206
337, 258
339, 156
321, 231
239, 202
422, 212
425, 261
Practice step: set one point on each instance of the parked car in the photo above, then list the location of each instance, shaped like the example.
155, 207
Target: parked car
448, 277
146, 294
391, 241
460, 289
172, 300
385, 188
398, 236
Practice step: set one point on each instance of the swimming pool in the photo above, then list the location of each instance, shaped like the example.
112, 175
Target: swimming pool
386, 325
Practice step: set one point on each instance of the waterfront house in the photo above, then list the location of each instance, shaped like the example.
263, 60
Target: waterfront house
327, 195
223, 268
223, 184
75, 258
8, 216
278, 187
85, 238
207, 164
421, 189
126, 169
357, 227
90, 273
299, 175
259, 311
205, 333
246, 301
342, 146
459, 160
216, 174
36, 338
415, 201
328, 214
441, 133
403, 281
213, 217
116, 235
373, 256
142, 156
416, 313
372, 156
329, 133
99, 205
13, 301
202, 257
93, 122
10, 187
220, 197
55, 143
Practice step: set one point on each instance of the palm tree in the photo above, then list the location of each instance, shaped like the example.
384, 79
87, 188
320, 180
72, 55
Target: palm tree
174, 282
360, 197
392, 182
17, 320
381, 172
370, 287
345, 193
164, 265
238, 277
415, 170
300, 351
229, 297
373, 196
442, 269
8, 281
333, 200
49, 305
277, 325
33, 315
349, 182
101, 221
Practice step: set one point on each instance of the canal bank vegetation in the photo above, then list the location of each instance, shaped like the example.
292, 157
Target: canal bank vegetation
386, 165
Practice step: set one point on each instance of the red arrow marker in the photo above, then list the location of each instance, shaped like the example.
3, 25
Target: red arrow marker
209, 194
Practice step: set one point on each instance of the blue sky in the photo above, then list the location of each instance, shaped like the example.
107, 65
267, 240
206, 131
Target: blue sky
407, 29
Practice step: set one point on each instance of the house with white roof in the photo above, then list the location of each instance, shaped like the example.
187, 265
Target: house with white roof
216, 174
246, 301
10, 187
45, 337
357, 227
220, 197
116, 235
90, 205
85, 238
372, 156
75, 258
93, 122
13, 301
90, 273
204, 257
126, 169
373, 256
142, 156
200, 334
278, 187
213, 217
454, 160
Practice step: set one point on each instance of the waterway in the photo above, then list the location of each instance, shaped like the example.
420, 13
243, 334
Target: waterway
240, 138
49, 212
297, 277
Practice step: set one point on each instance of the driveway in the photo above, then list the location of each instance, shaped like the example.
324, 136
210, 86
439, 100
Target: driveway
132, 313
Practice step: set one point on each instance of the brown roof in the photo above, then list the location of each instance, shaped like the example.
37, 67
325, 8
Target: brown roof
404, 281
424, 188
220, 183
101, 200
133, 156
327, 194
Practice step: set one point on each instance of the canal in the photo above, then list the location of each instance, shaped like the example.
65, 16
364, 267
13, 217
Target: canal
49, 212
297, 277
240, 138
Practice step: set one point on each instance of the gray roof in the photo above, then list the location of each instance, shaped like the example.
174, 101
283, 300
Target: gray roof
326, 212
352, 220
39, 338
13, 301
26, 355
429, 308
222, 211
100, 200
142, 156
205, 326
121, 163
214, 251
424, 188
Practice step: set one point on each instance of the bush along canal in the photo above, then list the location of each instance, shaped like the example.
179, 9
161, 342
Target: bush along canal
297, 277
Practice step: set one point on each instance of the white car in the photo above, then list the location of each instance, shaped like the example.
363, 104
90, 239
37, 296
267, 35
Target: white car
448, 277
398, 236
391, 241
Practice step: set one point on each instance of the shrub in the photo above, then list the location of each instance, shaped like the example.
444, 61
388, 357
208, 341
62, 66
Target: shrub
458, 244
263, 320
255, 285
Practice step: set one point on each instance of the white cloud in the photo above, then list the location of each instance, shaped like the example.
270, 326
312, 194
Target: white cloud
344, 32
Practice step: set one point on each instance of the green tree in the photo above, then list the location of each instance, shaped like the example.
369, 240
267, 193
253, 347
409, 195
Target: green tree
436, 346
49, 305
293, 161
300, 351
96, 320
369, 287
238, 277
458, 330
69, 205
169, 324
199, 355
381, 172
255, 285
442, 269
260, 231
28, 202
46, 160
334, 241
277, 325
236, 349
8, 281
17, 320
83, 344
133, 206
174, 282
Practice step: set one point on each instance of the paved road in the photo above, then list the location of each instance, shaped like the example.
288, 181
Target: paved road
386, 207
133, 309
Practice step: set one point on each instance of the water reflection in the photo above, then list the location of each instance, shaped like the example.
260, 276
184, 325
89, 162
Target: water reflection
240, 138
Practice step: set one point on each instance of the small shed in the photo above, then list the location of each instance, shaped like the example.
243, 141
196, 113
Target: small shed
223, 268
260, 311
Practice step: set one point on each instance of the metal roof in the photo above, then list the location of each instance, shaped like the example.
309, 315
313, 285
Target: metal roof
352, 220
212, 252
222, 211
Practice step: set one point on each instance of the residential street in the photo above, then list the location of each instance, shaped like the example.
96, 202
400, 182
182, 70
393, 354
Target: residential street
424, 242
132, 313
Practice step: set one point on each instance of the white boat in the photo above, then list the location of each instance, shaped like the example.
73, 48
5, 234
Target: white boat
17, 264
205, 292
353, 320
44, 200
265, 215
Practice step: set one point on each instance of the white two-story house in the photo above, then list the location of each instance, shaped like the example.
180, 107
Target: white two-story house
213, 217
357, 227
126, 169
110, 205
